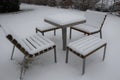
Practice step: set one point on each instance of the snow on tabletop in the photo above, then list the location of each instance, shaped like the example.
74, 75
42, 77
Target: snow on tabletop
65, 18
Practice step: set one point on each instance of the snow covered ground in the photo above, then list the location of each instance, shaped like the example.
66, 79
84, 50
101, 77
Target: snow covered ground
23, 23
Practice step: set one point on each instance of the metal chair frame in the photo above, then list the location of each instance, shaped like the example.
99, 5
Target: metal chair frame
28, 57
99, 31
85, 56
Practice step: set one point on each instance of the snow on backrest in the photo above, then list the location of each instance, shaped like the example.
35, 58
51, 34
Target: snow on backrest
7, 31
94, 18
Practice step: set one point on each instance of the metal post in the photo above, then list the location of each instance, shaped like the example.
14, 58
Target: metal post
64, 37
36, 30
12, 52
54, 32
67, 52
70, 32
101, 34
55, 55
22, 69
104, 52
43, 33
83, 69
24, 66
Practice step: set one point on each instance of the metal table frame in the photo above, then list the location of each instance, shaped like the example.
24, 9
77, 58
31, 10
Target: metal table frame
64, 29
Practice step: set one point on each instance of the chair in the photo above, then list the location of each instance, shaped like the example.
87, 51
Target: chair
46, 28
93, 25
85, 47
31, 46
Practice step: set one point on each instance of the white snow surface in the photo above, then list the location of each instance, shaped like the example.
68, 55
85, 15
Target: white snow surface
65, 18
86, 45
23, 23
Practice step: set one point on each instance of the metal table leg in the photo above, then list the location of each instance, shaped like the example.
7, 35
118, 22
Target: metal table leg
64, 37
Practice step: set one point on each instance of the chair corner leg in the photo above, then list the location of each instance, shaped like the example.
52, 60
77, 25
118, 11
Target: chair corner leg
55, 55
54, 32
11, 58
67, 52
43, 33
101, 34
36, 30
104, 52
83, 68
70, 33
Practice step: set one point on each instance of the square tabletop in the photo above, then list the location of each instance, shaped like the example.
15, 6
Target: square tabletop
65, 19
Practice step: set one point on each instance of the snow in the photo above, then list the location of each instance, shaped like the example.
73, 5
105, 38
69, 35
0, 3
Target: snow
23, 23
68, 18
98, 18
48, 26
86, 27
86, 45
40, 43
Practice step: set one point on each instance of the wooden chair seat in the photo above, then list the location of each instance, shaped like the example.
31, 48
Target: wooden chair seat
46, 28
34, 44
86, 46
89, 29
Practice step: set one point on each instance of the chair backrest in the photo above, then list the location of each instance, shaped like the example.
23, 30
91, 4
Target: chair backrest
95, 18
9, 32
13, 38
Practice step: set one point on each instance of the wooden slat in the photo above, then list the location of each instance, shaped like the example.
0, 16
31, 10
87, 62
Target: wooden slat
27, 44
30, 43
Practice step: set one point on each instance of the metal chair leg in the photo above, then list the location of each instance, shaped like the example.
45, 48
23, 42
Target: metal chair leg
36, 30
67, 52
22, 69
24, 66
55, 56
83, 68
21, 73
54, 32
104, 52
43, 33
70, 32
12, 52
101, 34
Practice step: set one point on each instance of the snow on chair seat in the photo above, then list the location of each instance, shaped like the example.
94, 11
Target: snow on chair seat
86, 46
86, 28
36, 43
46, 27
33, 45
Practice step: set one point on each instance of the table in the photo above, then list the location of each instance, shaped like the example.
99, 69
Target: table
64, 20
